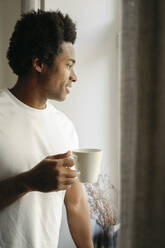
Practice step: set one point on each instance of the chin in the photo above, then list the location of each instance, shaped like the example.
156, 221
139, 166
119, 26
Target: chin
59, 98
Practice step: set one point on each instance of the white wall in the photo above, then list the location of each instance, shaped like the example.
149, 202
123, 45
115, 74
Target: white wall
93, 104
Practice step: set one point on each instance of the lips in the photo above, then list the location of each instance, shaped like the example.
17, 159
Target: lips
68, 86
67, 90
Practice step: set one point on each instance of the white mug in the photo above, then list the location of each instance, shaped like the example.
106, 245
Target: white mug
88, 162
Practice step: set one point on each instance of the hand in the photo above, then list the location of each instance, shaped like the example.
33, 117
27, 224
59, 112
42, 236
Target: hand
52, 174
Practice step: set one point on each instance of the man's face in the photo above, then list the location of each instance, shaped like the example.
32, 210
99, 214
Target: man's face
59, 77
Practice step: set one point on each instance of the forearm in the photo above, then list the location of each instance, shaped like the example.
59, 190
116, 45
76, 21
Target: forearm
12, 189
79, 225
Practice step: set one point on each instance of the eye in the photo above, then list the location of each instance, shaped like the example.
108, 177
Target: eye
69, 66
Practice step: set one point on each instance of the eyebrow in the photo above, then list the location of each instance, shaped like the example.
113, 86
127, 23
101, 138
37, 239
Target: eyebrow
74, 61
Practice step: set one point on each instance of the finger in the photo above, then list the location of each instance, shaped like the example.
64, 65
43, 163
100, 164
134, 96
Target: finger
63, 162
68, 173
68, 162
65, 187
62, 155
70, 181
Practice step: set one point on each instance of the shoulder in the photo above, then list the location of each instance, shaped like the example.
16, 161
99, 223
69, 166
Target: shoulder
3, 95
5, 102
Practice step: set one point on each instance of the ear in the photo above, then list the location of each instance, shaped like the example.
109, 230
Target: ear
37, 65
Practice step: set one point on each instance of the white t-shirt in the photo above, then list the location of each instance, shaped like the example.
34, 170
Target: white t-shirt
28, 135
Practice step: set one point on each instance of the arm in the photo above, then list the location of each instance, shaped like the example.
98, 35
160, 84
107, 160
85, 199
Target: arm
78, 216
12, 189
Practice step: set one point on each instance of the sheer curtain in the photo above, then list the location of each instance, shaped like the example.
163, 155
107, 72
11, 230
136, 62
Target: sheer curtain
142, 124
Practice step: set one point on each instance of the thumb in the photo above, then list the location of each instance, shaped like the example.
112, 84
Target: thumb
62, 155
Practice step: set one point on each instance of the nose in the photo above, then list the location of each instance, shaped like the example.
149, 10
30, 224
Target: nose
73, 76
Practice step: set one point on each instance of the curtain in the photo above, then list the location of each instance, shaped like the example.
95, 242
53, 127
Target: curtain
142, 157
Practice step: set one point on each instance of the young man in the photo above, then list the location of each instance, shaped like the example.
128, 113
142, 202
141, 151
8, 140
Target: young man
36, 139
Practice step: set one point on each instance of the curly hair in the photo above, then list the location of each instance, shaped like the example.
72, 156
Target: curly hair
39, 34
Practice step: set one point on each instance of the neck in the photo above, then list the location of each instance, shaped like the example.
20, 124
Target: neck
28, 91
